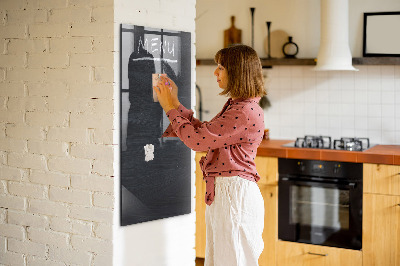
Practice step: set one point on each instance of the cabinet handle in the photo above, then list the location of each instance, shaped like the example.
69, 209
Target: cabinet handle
318, 254
398, 204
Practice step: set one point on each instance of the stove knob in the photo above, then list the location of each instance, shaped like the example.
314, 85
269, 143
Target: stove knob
336, 169
301, 166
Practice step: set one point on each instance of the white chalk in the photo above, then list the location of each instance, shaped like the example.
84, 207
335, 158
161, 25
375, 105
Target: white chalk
149, 152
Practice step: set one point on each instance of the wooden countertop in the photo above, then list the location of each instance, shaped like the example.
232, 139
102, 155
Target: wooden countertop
379, 154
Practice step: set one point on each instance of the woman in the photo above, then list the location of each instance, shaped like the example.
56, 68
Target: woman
235, 207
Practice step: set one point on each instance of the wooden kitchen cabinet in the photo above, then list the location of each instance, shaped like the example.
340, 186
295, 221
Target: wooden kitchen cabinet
267, 168
298, 254
200, 209
381, 215
381, 179
381, 230
270, 233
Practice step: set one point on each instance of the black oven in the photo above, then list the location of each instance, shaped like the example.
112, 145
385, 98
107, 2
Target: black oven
320, 202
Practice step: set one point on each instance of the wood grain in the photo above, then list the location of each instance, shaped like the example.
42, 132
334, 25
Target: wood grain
200, 209
296, 254
381, 230
232, 35
270, 233
267, 168
381, 179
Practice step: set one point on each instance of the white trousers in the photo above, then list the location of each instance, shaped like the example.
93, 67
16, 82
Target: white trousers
234, 223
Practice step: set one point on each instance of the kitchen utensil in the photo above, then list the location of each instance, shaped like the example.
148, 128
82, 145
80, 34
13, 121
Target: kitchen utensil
232, 35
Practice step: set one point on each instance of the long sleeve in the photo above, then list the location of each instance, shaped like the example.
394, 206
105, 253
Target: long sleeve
186, 113
225, 130
231, 139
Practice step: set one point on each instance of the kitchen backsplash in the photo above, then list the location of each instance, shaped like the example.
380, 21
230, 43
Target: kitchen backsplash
337, 104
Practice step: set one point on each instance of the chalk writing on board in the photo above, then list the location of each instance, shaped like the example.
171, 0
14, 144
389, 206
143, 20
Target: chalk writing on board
157, 45
155, 59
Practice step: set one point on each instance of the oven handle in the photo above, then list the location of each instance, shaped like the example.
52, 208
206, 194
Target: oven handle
297, 181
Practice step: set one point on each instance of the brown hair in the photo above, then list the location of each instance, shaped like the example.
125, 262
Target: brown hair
245, 78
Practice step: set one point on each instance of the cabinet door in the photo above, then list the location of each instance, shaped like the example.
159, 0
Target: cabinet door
297, 254
270, 233
381, 179
267, 168
200, 209
381, 230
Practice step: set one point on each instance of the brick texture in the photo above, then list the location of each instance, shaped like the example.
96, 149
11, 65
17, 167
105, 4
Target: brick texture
20, 46
12, 202
71, 44
71, 226
48, 237
28, 219
56, 127
47, 207
70, 165
27, 247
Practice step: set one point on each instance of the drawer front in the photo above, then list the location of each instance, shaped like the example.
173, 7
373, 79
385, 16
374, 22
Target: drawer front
381, 179
293, 254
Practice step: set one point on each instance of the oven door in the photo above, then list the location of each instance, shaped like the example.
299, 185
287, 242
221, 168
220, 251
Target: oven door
320, 212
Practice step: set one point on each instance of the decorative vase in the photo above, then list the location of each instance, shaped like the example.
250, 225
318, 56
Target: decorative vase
290, 49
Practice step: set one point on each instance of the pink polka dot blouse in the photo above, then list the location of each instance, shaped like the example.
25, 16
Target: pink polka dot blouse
231, 139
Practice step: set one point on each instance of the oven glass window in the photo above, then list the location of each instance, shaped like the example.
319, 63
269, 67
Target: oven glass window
318, 207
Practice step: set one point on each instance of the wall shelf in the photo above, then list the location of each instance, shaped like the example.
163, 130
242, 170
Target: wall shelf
376, 61
312, 61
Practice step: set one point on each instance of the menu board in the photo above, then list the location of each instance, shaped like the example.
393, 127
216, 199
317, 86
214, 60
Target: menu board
155, 172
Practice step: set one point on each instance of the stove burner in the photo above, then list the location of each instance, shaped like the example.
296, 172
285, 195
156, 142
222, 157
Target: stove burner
324, 142
351, 144
308, 141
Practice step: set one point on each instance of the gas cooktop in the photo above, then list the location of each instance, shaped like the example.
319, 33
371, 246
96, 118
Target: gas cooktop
325, 142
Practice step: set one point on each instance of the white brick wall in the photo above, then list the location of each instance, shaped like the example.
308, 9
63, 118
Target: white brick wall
56, 124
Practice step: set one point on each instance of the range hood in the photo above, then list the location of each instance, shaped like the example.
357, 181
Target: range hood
334, 51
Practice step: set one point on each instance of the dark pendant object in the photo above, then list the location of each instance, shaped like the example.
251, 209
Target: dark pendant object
252, 9
290, 49
269, 38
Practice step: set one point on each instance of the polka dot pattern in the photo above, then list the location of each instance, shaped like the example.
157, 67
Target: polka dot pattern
231, 139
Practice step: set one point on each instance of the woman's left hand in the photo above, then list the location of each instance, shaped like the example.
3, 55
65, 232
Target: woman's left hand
163, 91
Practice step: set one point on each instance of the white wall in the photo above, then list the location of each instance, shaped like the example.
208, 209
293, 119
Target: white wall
299, 18
168, 241
337, 104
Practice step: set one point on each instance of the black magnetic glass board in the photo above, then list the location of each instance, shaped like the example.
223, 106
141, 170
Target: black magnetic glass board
155, 171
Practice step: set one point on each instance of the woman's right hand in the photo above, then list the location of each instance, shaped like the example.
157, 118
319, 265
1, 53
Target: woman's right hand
174, 90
